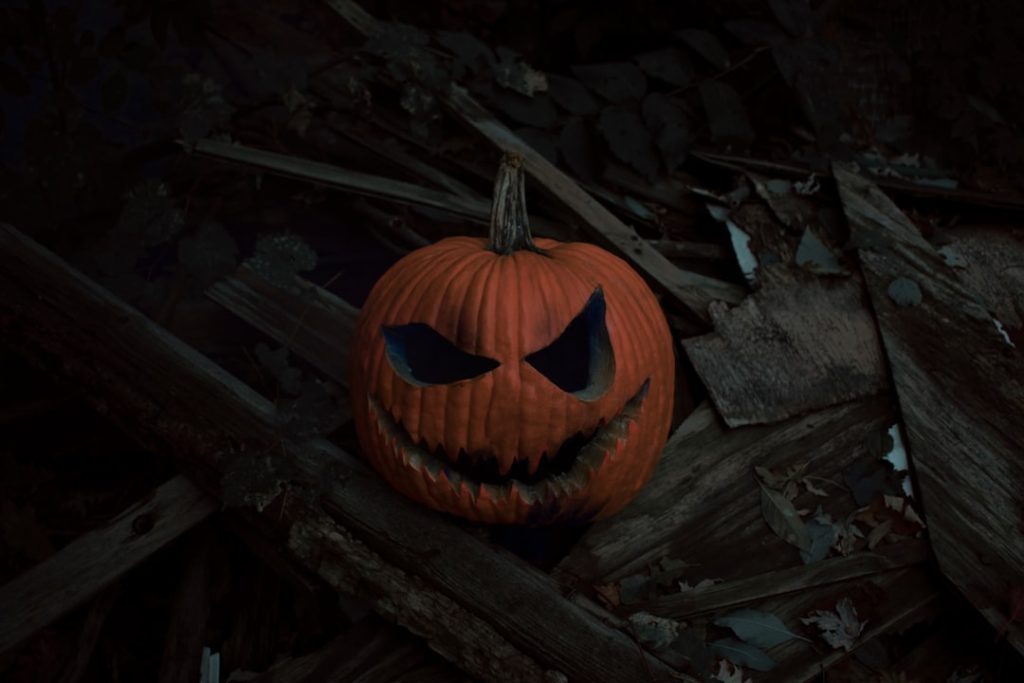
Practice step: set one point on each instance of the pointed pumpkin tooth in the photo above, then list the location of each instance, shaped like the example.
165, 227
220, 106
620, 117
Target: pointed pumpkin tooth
568, 484
432, 467
526, 492
577, 479
493, 491
552, 488
454, 479
414, 457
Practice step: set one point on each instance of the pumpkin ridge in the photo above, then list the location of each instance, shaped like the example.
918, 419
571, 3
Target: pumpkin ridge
461, 288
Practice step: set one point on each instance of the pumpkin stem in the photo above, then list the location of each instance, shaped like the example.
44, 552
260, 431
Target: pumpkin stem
510, 225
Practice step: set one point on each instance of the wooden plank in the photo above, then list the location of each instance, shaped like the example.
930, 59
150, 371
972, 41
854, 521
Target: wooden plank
784, 581
702, 503
83, 568
904, 598
961, 394
316, 325
693, 290
486, 610
990, 260
953, 198
475, 209
366, 652
190, 610
679, 249
798, 344
88, 636
390, 151
696, 292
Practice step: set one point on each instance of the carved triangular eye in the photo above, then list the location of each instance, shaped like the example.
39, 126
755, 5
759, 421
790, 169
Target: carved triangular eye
422, 356
580, 361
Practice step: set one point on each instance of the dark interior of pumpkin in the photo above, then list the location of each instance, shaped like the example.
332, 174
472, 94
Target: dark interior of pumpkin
579, 361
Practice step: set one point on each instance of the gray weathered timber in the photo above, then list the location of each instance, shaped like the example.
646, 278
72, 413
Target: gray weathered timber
316, 325
486, 610
905, 597
961, 394
784, 581
693, 290
478, 210
190, 610
796, 345
367, 652
82, 569
701, 504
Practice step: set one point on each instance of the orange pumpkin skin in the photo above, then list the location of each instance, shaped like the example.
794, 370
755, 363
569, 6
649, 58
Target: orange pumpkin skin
505, 307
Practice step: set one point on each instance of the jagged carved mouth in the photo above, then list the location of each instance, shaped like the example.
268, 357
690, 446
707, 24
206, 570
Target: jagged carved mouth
564, 472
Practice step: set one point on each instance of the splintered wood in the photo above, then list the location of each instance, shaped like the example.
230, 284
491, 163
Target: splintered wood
797, 345
94, 561
465, 597
960, 384
707, 469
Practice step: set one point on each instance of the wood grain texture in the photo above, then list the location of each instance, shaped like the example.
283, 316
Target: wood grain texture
83, 568
702, 505
316, 325
369, 652
990, 260
888, 602
693, 290
784, 581
466, 597
961, 394
478, 210
190, 610
796, 345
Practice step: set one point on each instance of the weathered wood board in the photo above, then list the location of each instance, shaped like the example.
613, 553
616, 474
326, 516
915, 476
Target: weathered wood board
314, 323
83, 568
693, 290
483, 608
702, 502
794, 346
960, 385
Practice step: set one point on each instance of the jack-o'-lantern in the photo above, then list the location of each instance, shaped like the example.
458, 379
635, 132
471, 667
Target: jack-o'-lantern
511, 380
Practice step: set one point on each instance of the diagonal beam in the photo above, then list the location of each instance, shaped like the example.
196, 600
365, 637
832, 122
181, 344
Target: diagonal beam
960, 384
486, 610
692, 290
82, 569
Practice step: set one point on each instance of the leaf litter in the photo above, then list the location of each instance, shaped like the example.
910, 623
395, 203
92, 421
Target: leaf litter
840, 628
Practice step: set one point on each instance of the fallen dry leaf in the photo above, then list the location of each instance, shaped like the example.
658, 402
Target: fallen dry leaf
879, 533
685, 586
841, 628
730, 673
813, 488
848, 533
783, 519
774, 479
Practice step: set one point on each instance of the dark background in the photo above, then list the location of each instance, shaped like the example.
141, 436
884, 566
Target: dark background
101, 101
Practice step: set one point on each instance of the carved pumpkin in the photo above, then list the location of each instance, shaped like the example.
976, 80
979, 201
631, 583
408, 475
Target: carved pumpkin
510, 381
